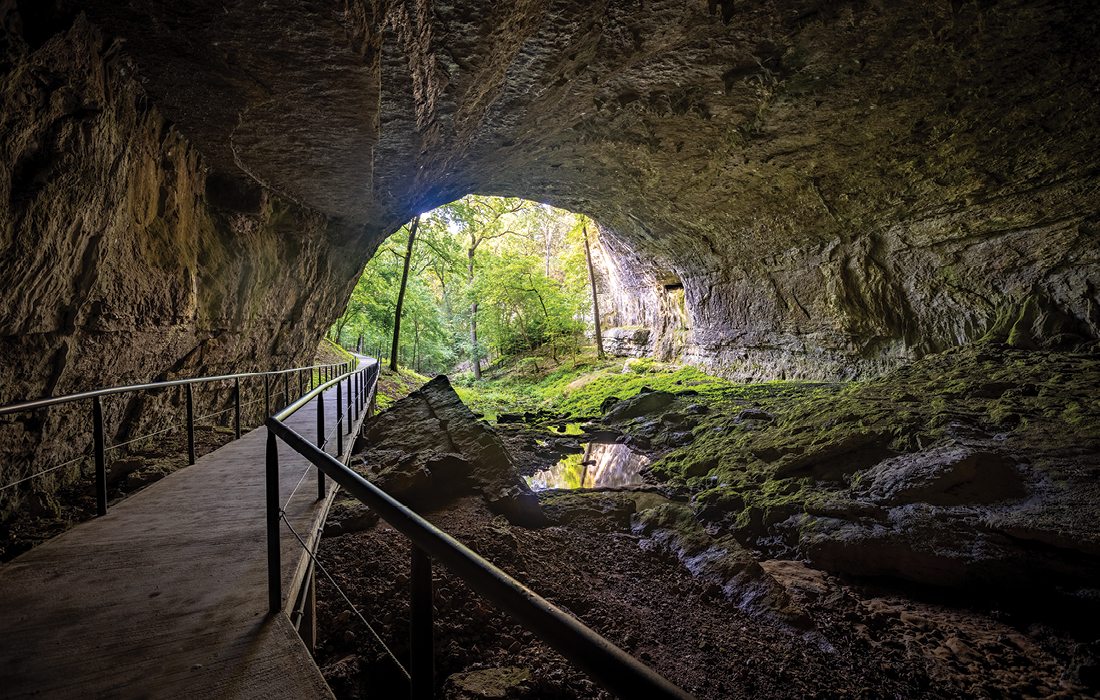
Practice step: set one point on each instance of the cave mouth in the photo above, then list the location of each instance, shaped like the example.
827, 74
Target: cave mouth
477, 280
910, 510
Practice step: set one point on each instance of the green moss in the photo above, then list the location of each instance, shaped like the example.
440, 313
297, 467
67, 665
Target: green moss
578, 391
393, 386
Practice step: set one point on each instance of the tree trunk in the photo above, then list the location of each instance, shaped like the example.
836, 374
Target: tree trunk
401, 294
595, 295
474, 359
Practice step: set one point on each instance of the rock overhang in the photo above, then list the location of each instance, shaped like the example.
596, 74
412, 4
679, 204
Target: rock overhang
807, 170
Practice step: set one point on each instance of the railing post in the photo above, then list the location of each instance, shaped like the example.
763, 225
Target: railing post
99, 449
320, 442
237, 407
286, 389
274, 554
348, 411
301, 384
267, 396
321, 421
421, 652
190, 424
339, 422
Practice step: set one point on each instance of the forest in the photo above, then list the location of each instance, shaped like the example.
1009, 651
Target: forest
471, 282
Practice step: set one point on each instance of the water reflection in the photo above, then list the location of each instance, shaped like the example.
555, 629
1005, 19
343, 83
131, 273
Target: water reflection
600, 465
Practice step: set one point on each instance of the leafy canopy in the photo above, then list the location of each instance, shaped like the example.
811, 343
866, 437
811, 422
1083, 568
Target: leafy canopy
516, 266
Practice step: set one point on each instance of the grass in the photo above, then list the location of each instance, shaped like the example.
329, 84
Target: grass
577, 390
329, 352
393, 386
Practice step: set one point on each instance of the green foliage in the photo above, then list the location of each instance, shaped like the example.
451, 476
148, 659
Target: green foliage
513, 267
578, 390
394, 386
821, 437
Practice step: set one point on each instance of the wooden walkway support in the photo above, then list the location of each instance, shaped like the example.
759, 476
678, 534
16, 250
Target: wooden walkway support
166, 595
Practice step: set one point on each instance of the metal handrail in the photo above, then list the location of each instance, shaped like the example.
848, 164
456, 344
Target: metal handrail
55, 400
99, 446
610, 666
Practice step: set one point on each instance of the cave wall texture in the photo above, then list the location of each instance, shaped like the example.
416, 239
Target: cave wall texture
837, 186
124, 258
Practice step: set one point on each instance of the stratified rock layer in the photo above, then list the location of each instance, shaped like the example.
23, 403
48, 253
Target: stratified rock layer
124, 259
794, 188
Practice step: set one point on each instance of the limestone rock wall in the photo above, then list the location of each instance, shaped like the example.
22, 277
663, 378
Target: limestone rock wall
857, 307
124, 258
832, 187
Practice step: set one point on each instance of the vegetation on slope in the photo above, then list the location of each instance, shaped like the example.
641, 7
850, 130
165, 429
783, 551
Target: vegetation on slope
394, 386
577, 390
329, 352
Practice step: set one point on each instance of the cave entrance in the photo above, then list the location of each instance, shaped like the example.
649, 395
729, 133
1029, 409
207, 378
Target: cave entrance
476, 281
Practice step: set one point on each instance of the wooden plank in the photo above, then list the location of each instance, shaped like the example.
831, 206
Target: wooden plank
166, 595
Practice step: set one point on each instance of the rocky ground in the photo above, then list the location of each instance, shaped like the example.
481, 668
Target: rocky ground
930, 534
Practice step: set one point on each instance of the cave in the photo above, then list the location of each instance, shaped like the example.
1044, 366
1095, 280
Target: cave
876, 224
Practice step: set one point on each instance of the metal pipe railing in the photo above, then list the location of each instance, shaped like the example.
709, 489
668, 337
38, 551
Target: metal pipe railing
606, 663
99, 446
53, 401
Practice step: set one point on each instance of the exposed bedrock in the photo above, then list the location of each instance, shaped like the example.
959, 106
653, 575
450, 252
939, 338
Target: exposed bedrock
795, 188
832, 187
124, 258
989, 485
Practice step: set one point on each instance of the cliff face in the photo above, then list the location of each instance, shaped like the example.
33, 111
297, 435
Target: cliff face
123, 259
795, 188
837, 186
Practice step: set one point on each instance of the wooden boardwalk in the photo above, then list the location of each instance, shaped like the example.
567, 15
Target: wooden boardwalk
166, 595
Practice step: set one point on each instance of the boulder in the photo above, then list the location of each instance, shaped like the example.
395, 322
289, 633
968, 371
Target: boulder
429, 448
952, 474
488, 683
646, 402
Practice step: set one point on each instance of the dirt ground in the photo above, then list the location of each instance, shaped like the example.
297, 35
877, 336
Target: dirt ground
859, 644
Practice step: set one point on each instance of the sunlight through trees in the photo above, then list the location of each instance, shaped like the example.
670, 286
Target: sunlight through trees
488, 277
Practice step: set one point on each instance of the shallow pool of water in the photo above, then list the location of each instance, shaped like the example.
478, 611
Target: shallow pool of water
601, 465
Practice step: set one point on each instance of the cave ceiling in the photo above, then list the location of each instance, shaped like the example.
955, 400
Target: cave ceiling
771, 121
703, 136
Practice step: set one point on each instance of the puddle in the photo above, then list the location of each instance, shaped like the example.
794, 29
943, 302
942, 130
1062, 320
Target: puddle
566, 429
600, 465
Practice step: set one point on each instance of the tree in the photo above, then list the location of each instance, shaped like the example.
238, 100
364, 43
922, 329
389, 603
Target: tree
477, 278
401, 293
595, 296
482, 219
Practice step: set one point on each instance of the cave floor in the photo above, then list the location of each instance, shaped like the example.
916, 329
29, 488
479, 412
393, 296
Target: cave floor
859, 642
878, 539
166, 595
